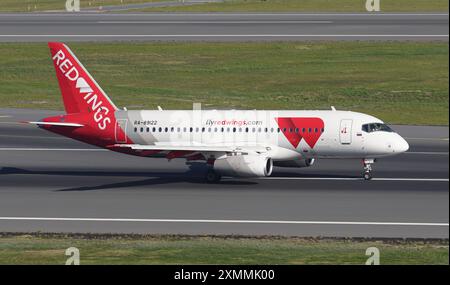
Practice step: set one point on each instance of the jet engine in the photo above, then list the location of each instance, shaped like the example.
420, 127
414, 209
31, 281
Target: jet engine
244, 166
295, 163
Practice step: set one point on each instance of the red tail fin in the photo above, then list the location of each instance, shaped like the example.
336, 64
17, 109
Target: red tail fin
90, 113
80, 92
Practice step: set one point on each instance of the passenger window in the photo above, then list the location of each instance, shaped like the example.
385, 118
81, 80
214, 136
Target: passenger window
135, 130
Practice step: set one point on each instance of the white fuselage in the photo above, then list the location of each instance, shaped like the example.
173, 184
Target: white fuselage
288, 135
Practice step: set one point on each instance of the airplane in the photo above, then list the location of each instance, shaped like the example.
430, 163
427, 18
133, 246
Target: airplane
237, 143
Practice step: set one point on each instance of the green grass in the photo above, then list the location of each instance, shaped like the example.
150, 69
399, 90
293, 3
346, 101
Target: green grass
400, 82
43, 5
215, 250
310, 6
241, 5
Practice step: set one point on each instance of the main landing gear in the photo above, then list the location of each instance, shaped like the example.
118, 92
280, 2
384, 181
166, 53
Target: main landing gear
368, 168
212, 176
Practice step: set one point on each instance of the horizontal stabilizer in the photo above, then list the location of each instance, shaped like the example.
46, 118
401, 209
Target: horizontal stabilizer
73, 125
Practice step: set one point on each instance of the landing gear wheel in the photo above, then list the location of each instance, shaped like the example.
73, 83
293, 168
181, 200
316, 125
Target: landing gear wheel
212, 176
367, 163
367, 176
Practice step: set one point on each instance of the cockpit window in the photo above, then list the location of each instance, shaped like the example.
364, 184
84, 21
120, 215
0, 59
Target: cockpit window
376, 127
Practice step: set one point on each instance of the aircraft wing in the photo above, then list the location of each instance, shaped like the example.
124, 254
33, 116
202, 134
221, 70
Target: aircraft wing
195, 147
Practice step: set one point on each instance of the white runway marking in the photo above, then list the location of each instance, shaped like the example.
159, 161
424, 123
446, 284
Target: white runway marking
356, 179
211, 22
4, 116
224, 36
427, 152
34, 137
428, 139
171, 22
226, 221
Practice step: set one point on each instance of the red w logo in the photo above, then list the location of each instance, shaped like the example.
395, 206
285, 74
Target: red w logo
296, 129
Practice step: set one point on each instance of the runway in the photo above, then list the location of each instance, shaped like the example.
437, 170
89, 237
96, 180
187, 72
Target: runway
38, 27
53, 184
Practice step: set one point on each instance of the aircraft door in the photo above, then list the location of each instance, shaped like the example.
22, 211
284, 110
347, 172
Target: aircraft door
345, 131
121, 136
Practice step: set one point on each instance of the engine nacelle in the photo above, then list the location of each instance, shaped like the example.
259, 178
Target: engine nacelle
244, 166
298, 163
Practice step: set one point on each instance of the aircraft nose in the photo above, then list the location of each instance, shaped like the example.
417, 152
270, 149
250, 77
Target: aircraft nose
401, 145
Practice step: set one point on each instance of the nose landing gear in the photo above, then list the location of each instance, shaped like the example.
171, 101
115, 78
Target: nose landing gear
368, 168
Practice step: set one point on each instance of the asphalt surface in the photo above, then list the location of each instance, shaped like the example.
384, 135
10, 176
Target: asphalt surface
83, 189
222, 27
